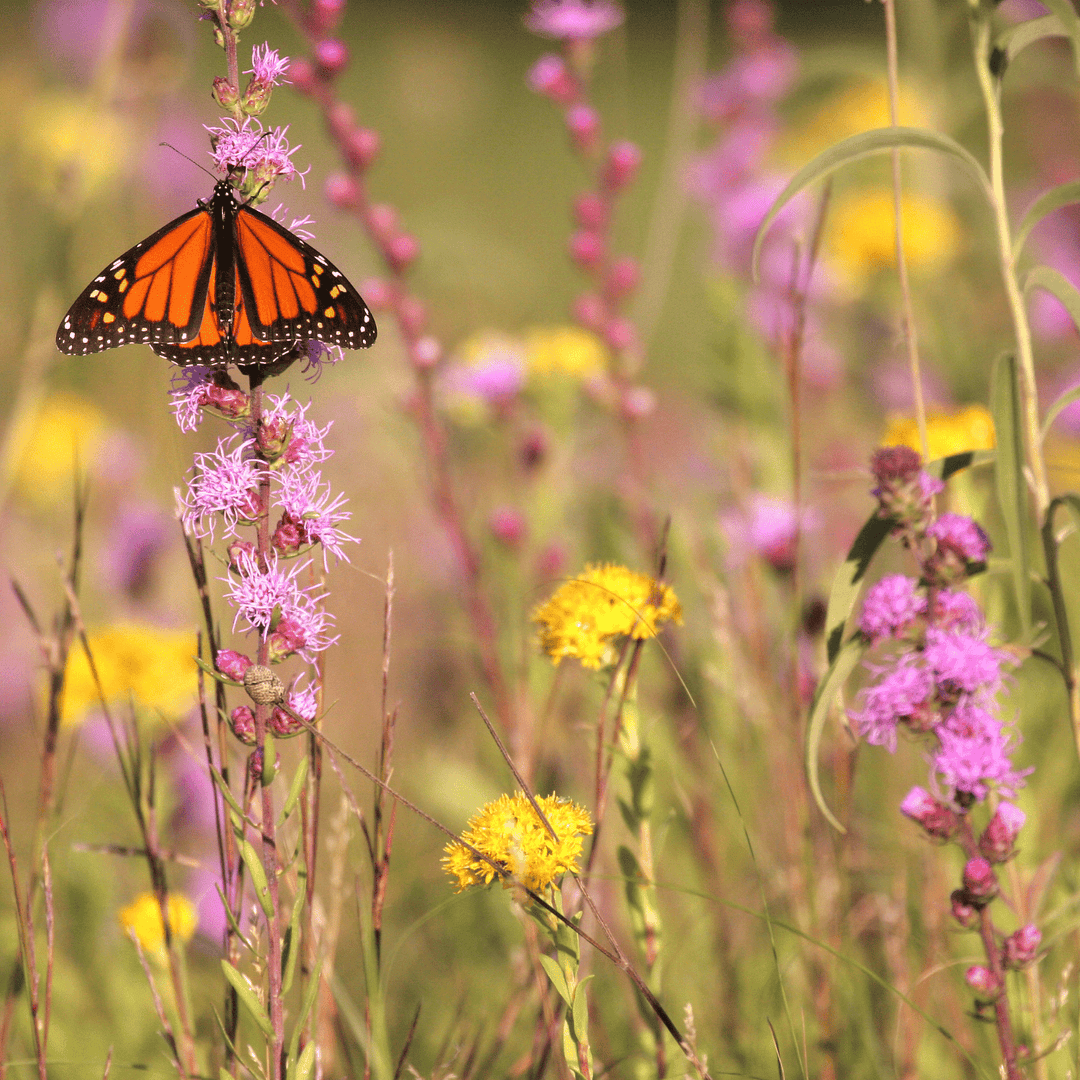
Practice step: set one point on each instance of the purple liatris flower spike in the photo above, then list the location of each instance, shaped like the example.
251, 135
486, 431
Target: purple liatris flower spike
891, 606
225, 487
260, 596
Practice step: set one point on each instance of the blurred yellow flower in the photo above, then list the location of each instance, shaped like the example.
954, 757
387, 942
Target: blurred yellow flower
149, 665
48, 446
70, 139
860, 106
862, 234
142, 919
969, 428
586, 616
509, 833
565, 349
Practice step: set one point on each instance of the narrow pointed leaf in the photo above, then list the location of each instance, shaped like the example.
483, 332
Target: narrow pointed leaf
1063, 195
1070, 22
849, 655
1019, 36
248, 998
558, 980
1057, 285
1009, 479
1059, 405
864, 144
258, 877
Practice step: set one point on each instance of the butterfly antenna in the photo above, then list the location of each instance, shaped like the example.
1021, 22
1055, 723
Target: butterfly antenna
197, 164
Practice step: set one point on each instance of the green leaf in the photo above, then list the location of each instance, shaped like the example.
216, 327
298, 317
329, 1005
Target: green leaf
270, 761
558, 980
258, 876
1009, 479
248, 998
1015, 38
306, 1065
850, 654
1058, 285
1059, 405
863, 145
310, 992
580, 1011
1049, 201
226, 794
295, 788
848, 580
1070, 23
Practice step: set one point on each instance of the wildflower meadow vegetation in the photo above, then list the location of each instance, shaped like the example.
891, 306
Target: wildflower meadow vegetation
557, 554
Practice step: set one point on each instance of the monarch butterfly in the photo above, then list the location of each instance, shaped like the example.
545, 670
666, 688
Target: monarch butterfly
222, 284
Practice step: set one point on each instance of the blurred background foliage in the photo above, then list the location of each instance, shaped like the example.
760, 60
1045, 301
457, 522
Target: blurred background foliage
478, 168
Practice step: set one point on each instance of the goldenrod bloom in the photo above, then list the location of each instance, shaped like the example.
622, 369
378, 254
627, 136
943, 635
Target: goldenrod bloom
142, 919
587, 615
565, 349
139, 662
969, 428
862, 234
509, 833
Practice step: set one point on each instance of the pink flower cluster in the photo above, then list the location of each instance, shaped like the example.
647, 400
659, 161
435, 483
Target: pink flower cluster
275, 593
941, 680
565, 80
943, 675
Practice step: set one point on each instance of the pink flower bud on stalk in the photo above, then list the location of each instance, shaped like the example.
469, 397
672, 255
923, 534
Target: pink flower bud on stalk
342, 191
331, 56
984, 982
551, 77
1021, 947
999, 837
362, 147
964, 911
583, 123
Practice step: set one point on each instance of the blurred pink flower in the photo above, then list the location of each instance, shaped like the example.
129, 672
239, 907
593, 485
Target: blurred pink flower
138, 536
573, 20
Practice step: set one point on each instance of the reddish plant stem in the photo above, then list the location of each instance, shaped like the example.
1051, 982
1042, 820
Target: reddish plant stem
267, 829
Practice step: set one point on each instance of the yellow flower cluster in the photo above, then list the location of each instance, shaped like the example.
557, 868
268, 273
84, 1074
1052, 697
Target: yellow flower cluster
969, 428
862, 234
142, 919
565, 349
509, 833
586, 616
150, 665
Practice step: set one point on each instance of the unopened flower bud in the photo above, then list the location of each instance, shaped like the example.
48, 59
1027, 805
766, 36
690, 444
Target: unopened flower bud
589, 310
963, 910
236, 550
331, 55
326, 14
377, 293
1021, 947
551, 77
289, 536
586, 248
342, 191
984, 982
508, 526
263, 686
242, 722
426, 353
225, 94
620, 334
362, 147
232, 665
413, 315
997, 840
383, 222
402, 251
591, 211
240, 14
302, 74
342, 120
937, 819
623, 277
979, 880
583, 123
624, 159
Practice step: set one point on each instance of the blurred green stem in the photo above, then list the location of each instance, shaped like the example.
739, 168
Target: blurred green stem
981, 35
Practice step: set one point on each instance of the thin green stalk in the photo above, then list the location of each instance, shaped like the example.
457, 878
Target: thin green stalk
981, 42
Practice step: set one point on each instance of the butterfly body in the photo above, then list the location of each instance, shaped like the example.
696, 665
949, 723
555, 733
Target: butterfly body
221, 284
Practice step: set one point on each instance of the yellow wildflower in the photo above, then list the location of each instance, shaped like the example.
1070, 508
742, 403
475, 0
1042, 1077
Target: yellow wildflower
587, 615
142, 919
860, 106
49, 445
509, 833
969, 428
135, 661
565, 349
862, 237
